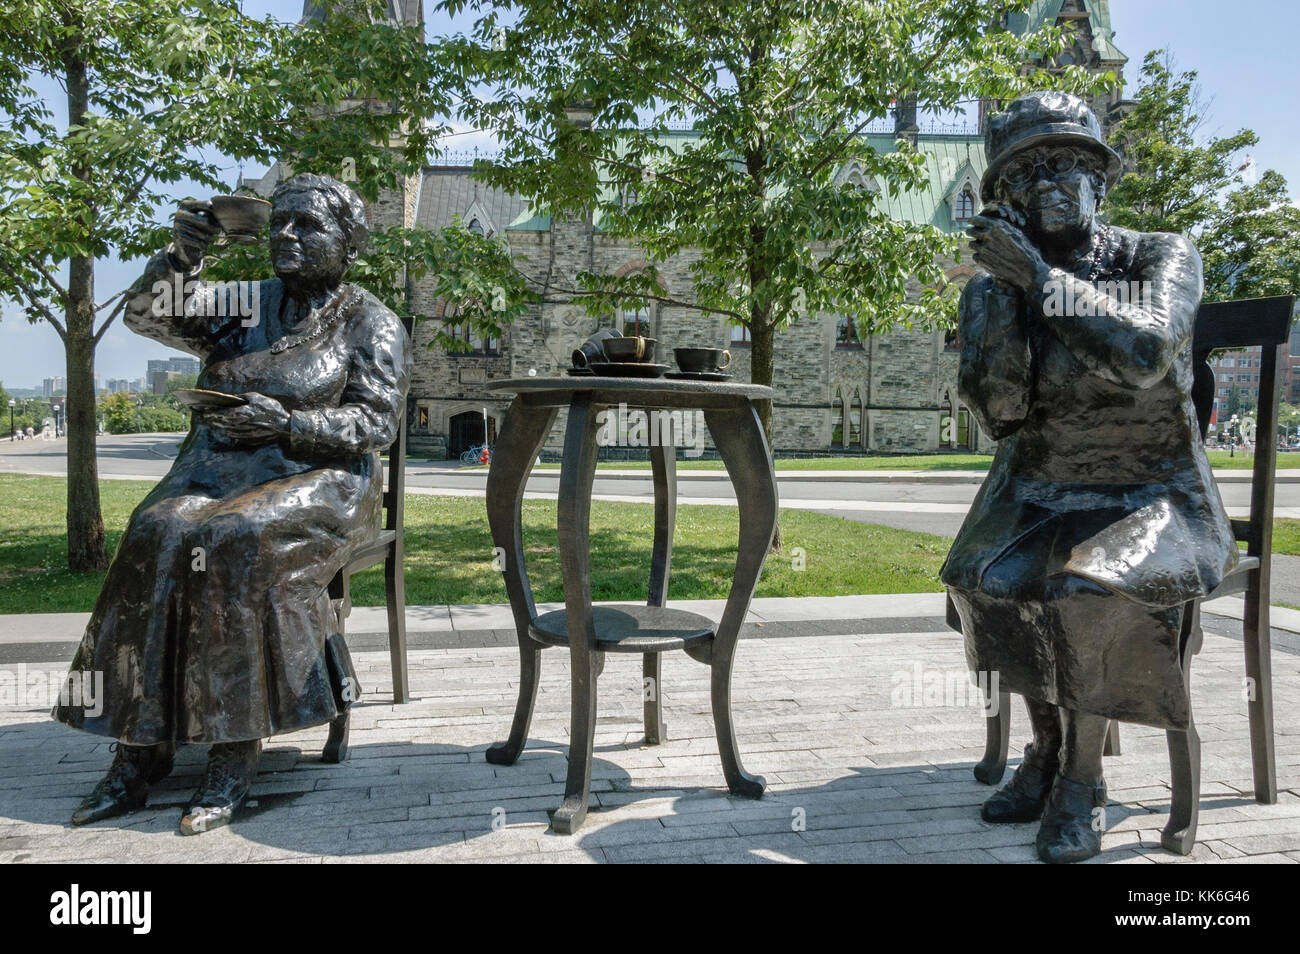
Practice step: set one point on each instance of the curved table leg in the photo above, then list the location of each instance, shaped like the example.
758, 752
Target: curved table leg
663, 465
738, 435
577, 473
521, 440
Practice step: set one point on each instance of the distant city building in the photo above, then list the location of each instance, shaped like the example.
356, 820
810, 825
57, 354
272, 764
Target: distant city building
52, 386
1241, 370
158, 380
176, 365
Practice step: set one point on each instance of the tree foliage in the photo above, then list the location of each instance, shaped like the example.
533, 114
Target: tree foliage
777, 97
1248, 232
156, 95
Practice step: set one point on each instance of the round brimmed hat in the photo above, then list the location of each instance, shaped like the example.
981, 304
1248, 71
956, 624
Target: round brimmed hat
1043, 119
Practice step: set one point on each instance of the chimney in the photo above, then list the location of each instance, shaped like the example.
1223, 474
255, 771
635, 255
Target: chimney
905, 126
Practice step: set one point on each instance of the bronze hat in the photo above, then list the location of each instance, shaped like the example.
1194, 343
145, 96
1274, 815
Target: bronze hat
1042, 119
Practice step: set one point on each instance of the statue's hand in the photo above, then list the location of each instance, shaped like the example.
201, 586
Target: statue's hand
261, 418
194, 228
1004, 250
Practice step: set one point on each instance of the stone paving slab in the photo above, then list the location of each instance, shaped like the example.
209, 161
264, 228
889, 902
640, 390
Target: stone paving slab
862, 766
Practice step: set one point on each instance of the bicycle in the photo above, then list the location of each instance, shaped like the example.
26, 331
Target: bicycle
478, 454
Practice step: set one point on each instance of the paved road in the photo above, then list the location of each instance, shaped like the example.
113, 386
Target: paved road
934, 505
927, 504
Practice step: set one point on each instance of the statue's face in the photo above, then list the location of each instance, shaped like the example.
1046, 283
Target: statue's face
1054, 188
308, 246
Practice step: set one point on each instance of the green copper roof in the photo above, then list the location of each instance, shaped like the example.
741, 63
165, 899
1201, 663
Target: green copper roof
1046, 11
948, 160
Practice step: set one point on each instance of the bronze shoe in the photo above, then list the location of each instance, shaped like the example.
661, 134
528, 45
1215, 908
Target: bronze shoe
1022, 799
232, 766
125, 786
1072, 827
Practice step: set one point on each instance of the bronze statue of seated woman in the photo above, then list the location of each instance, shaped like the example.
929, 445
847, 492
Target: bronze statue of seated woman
1099, 520
214, 625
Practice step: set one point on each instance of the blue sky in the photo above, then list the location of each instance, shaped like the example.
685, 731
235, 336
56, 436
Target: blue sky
1245, 53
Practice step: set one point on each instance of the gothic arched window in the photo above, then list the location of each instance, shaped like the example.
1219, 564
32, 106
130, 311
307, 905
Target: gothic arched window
964, 207
463, 331
476, 226
636, 318
846, 333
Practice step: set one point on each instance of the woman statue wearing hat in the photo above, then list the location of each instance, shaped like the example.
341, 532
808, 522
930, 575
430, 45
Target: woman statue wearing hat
1099, 520
215, 625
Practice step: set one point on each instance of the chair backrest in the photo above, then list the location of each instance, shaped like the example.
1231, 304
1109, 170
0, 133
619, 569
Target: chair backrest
394, 493
1266, 323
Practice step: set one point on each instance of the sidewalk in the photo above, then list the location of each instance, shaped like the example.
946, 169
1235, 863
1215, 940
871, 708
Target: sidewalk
861, 765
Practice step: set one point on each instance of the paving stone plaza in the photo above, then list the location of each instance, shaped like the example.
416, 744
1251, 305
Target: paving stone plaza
863, 762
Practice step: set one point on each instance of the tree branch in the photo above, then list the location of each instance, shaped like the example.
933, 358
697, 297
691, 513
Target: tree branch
109, 320
699, 90
35, 301
639, 296
104, 304
58, 289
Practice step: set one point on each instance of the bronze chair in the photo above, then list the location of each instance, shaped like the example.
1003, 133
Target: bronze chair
1263, 322
387, 547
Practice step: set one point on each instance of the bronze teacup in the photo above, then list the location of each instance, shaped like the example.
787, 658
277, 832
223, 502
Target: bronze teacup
629, 349
702, 360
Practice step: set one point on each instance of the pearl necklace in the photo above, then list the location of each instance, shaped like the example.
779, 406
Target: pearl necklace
1100, 242
319, 321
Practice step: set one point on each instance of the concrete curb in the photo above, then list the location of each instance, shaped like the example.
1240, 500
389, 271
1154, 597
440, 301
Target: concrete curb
68, 627
857, 476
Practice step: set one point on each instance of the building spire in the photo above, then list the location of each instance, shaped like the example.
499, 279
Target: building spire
407, 12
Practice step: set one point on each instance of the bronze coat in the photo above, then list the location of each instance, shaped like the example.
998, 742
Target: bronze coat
236, 650
1100, 474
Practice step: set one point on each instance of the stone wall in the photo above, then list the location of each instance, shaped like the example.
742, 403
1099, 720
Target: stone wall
902, 379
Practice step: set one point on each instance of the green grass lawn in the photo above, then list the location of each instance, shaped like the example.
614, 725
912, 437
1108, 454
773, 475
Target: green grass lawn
449, 552
1286, 536
1218, 459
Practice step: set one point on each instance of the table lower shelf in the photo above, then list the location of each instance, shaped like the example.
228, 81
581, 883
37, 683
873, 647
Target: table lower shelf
630, 628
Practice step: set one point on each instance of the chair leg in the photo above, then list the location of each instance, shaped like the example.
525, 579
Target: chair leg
997, 740
395, 591
1179, 835
1112, 740
336, 746
530, 674
652, 696
1259, 672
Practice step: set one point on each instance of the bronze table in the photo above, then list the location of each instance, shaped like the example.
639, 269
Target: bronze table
652, 629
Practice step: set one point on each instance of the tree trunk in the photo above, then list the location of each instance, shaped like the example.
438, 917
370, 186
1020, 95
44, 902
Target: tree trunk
762, 339
86, 550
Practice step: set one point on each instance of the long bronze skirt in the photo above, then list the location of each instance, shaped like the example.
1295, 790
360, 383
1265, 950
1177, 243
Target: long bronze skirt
1081, 647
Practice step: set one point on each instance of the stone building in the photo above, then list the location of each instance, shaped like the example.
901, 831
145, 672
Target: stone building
836, 393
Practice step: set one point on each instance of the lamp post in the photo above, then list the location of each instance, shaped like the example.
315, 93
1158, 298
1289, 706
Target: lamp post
12, 402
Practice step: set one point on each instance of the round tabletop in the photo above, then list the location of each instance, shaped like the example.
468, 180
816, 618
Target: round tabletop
631, 386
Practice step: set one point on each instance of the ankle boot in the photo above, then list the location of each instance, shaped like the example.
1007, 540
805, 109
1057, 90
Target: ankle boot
1022, 799
232, 766
1071, 828
125, 786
